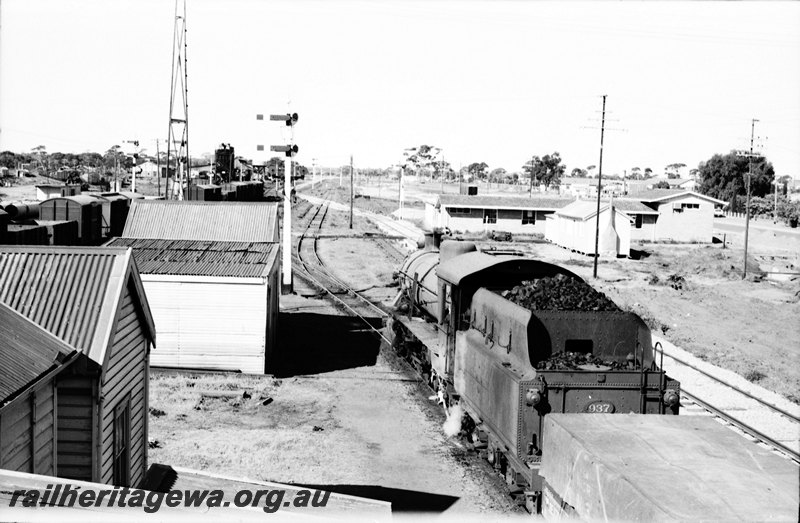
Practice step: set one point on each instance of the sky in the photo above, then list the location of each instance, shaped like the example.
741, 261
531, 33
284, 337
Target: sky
493, 82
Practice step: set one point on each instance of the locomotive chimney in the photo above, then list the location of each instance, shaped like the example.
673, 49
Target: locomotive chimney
433, 239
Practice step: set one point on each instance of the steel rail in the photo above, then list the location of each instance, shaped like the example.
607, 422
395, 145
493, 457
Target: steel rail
324, 288
335, 279
737, 389
793, 454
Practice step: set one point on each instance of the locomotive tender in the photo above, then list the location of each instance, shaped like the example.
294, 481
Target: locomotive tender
481, 350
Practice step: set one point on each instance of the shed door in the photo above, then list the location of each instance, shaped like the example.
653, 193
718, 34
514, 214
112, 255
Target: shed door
490, 216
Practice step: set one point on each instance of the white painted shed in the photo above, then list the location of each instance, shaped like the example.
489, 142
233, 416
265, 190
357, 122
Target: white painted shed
574, 228
215, 302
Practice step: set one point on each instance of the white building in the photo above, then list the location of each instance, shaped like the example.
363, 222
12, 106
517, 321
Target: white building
519, 215
147, 169
676, 215
212, 275
575, 228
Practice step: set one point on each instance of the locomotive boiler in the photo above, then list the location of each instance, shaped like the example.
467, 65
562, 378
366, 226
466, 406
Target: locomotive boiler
508, 363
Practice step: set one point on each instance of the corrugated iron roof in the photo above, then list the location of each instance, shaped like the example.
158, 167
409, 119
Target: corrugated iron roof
81, 199
585, 209
73, 292
503, 202
656, 195
194, 220
201, 258
632, 206
27, 351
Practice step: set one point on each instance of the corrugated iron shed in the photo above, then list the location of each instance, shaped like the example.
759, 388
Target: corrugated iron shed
196, 220
503, 202
201, 258
70, 291
26, 352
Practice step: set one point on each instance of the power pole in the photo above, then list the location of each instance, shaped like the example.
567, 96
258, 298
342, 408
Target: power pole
775, 208
400, 193
351, 191
530, 190
158, 163
599, 186
747, 203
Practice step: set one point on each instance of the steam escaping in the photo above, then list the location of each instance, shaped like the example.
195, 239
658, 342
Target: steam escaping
452, 426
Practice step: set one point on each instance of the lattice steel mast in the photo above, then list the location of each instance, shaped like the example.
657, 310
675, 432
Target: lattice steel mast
178, 111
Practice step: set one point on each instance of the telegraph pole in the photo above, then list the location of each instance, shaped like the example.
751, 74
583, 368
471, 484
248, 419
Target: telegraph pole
747, 204
158, 163
599, 186
351, 191
775, 208
400, 193
530, 190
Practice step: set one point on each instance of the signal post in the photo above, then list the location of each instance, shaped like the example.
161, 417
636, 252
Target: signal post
289, 150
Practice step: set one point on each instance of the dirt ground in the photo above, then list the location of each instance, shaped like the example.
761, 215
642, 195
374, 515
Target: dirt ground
339, 414
23, 190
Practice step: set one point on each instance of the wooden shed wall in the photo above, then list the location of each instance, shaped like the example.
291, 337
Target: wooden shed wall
273, 307
76, 408
125, 378
211, 325
27, 430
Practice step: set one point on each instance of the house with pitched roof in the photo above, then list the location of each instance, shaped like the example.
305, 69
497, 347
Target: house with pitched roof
75, 339
672, 215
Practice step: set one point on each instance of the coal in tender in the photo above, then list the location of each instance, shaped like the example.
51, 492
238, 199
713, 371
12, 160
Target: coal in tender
559, 293
577, 361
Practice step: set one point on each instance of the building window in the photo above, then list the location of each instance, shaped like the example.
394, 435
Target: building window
122, 443
639, 221
459, 211
528, 217
690, 206
490, 216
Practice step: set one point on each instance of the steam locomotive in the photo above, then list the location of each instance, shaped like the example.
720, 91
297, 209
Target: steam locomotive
481, 351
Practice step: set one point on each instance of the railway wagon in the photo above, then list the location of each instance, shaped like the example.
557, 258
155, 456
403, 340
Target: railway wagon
508, 366
85, 210
114, 211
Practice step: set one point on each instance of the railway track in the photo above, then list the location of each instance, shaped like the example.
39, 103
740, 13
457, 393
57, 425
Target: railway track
704, 392
313, 269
